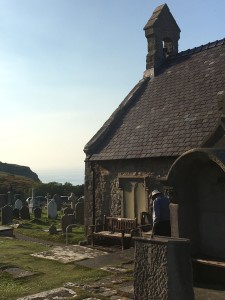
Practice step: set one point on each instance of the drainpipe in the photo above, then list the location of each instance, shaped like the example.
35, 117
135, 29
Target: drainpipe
93, 193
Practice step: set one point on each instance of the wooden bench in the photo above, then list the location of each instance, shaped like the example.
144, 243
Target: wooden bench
114, 228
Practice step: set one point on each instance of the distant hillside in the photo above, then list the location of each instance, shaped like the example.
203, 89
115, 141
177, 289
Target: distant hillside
18, 170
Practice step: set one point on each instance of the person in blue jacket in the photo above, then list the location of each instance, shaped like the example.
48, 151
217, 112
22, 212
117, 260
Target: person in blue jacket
160, 214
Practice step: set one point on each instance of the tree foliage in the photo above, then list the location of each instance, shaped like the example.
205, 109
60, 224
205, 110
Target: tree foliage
23, 186
58, 188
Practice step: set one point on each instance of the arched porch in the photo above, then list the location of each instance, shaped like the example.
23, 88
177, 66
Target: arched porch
198, 203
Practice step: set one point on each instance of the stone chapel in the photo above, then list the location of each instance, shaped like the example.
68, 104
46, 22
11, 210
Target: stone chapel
168, 133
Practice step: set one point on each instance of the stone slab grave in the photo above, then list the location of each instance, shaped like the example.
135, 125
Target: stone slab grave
19, 273
6, 231
59, 293
67, 254
116, 262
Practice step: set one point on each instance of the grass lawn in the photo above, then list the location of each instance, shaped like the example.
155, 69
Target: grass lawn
50, 274
38, 228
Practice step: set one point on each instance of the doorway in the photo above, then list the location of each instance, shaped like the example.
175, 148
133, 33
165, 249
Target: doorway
133, 198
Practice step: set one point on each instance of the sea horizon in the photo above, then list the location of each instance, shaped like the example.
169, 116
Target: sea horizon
75, 177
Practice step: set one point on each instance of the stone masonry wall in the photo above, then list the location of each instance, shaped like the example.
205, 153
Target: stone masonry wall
102, 193
162, 269
150, 271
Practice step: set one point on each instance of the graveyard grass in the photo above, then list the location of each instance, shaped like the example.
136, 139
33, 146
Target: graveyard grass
50, 274
38, 228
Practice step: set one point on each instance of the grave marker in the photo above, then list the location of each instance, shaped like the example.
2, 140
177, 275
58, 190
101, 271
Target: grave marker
6, 215
37, 213
79, 212
18, 204
24, 213
52, 209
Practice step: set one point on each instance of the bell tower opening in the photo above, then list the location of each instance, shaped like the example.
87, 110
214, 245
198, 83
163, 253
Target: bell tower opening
162, 33
167, 47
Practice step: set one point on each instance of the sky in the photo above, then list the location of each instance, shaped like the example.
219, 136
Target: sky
66, 65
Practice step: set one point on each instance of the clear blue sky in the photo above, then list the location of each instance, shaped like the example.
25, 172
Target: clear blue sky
65, 66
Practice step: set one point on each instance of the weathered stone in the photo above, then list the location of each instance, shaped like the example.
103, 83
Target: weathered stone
79, 213
53, 229
59, 293
108, 190
24, 213
19, 273
52, 209
162, 39
58, 201
37, 212
66, 221
3, 200
162, 269
72, 199
16, 213
68, 211
18, 204
6, 215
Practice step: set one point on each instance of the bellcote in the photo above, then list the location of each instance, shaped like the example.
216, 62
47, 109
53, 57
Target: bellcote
162, 33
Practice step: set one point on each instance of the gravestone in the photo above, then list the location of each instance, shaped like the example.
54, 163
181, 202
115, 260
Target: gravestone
11, 199
24, 213
37, 213
79, 212
18, 204
16, 213
72, 199
68, 211
52, 209
33, 204
52, 229
6, 215
48, 197
66, 221
58, 201
3, 200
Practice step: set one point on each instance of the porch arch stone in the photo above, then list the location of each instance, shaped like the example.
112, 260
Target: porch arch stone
198, 203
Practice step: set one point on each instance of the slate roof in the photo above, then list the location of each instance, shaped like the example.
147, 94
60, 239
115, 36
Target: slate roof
169, 114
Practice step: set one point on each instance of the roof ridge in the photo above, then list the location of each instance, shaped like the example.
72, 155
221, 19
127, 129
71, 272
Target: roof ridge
199, 48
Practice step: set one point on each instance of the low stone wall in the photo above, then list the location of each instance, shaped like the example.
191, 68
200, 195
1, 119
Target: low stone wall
162, 269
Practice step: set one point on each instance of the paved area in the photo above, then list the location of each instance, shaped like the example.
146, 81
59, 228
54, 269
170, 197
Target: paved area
67, 254
118, 263
118, 285
118, 257
60, 293
209, 294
